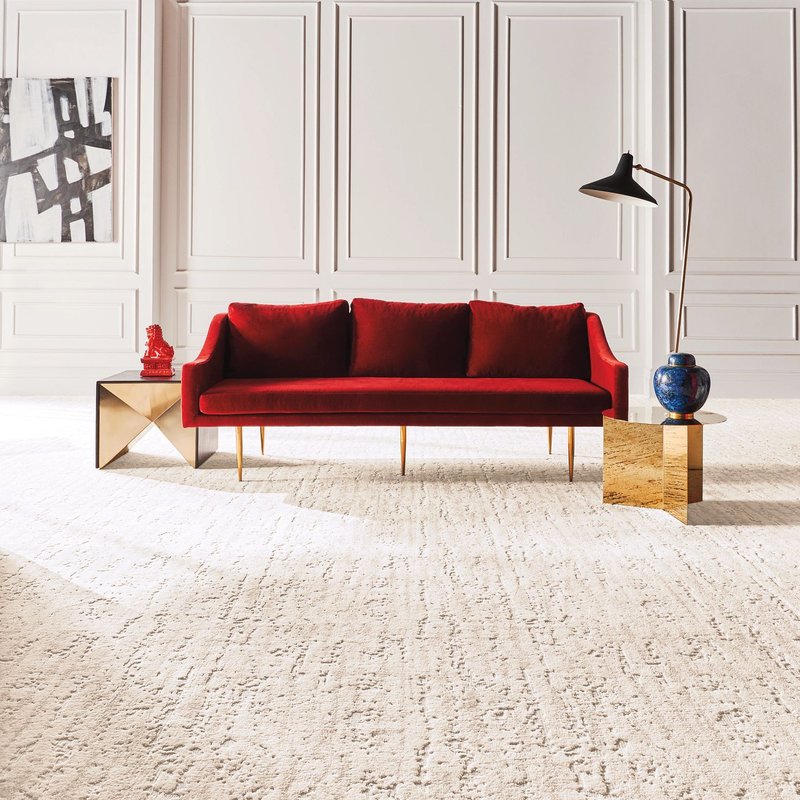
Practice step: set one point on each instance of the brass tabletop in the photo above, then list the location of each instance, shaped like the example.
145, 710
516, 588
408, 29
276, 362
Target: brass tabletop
655, 415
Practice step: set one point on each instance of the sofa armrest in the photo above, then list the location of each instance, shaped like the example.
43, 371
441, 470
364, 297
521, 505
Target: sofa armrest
206, 370
607, 371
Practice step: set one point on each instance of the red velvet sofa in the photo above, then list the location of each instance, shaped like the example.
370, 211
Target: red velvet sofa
384, 363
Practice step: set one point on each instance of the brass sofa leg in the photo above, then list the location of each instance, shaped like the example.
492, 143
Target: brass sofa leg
262, 440
239, 452
571, 450
402, 449
550, 440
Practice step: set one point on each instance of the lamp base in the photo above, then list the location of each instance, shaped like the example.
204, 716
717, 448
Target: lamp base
681, 386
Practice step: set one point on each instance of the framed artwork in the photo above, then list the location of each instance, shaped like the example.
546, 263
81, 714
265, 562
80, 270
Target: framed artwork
55, 160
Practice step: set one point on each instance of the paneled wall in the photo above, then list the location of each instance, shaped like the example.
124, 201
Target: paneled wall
400, 150
732, 137
422, 150
70, 313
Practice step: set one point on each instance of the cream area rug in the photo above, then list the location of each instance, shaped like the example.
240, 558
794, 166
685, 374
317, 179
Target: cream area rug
328, 629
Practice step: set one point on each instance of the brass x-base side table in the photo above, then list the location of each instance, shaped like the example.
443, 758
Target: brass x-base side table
127, 404
652, 461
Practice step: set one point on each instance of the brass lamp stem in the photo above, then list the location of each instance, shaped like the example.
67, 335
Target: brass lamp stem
686, 230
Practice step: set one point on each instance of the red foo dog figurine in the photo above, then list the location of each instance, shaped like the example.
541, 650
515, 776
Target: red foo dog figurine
157, 355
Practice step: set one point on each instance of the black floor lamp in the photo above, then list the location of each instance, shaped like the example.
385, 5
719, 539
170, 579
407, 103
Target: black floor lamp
680, 385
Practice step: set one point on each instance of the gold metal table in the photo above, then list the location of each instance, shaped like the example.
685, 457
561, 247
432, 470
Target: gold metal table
127, 404
652, 461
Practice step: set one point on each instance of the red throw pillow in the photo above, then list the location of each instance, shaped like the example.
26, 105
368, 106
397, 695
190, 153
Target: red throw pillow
299, 341
509, 341
409, 340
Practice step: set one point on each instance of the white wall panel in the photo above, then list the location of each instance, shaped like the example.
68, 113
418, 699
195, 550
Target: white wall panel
96, 320
736, 135
565, 102
71, 313
406, 137
733, 138
751, 323
250, 137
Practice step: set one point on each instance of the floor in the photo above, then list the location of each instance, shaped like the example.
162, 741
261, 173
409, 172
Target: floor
478, 629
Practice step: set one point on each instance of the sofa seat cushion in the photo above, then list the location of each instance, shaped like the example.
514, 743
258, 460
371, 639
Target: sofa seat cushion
409, 340
409, 395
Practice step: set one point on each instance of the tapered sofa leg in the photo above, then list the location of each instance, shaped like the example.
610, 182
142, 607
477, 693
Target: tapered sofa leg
239, 452
550, 440
571, 450
402, 449
262, 440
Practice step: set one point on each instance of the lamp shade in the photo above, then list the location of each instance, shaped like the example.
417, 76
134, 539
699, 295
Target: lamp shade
620, 187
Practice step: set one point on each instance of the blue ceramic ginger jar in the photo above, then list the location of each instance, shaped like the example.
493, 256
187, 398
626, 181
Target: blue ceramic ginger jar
681, 386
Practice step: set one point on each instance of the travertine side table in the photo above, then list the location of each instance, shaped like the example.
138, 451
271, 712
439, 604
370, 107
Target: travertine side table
652, 461
128, 404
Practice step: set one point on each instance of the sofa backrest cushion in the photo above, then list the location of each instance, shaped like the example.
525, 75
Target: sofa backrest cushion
288, 341
510, 341
409, 340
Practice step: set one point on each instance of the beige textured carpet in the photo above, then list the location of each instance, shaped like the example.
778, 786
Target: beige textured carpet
479, 629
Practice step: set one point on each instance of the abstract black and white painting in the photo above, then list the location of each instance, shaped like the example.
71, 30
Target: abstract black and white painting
55, 160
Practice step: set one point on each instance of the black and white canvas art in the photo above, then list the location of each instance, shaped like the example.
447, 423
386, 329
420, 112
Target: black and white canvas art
55, 160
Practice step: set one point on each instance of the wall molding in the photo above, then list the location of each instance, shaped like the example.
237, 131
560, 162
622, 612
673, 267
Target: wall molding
352, 254
73, 313
194, 254
462, 94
